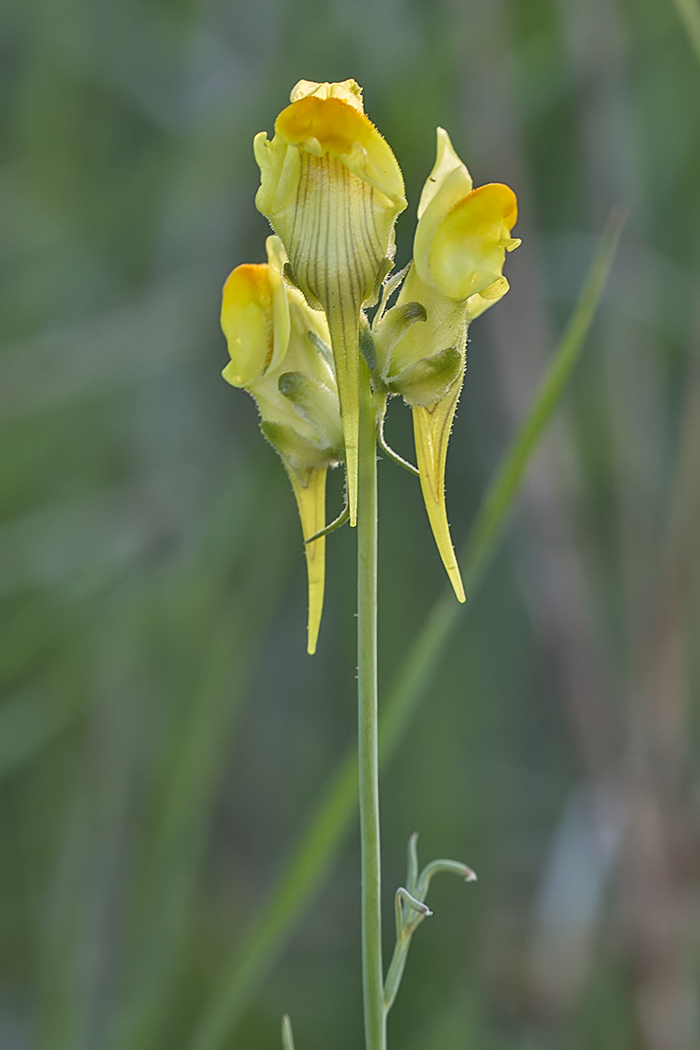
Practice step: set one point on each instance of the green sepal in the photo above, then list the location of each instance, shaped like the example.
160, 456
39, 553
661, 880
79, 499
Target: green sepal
393, 326
385, 268
289, 275
427, 381
315, 404
321, 346
301, 453
390, 286
367, 347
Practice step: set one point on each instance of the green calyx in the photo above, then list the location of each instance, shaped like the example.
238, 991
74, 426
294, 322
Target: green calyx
427, 381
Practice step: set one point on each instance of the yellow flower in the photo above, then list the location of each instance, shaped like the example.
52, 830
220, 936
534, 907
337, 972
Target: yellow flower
459, 250
332, 189
276, 344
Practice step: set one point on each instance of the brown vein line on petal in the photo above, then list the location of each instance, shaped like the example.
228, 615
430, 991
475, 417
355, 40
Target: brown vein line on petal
373, 213
300, 193
359, 272
344, 275
327, 178
291, 247
326, 218
348, 240
351, 255
369, 249
314, 244
306, 217
373, 234
339, 275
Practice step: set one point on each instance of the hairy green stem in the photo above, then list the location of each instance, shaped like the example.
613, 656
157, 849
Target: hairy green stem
368, 750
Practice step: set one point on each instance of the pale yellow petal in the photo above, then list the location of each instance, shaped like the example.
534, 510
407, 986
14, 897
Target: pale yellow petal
246, 320
334, 126
447, 166
484, 300
444, 326
276, 258
347, 90
462, 252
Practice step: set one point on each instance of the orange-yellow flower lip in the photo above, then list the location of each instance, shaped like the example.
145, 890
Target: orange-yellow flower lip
334, 124
487, 204
249, 283
246, 319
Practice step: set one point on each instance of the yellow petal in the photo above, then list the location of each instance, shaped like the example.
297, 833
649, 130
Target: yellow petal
484, 300
431, 429
449, 177
246, 320
310, 491
276, 258
347, 90
335, 126
445, 324
462, 252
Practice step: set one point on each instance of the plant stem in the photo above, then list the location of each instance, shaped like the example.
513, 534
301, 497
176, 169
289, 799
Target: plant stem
320, 842
372, 979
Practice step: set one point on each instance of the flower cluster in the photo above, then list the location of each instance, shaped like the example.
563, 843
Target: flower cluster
296, 327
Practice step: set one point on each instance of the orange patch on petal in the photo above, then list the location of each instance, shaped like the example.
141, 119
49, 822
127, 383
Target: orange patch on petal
249, 283
335, 124
247, 322
487, 208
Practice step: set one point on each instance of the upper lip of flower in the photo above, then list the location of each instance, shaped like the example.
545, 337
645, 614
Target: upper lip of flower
333, 126
461, 250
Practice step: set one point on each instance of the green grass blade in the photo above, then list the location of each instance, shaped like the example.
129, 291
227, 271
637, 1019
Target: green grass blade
503, 489
324, 834
689, 14
299, 881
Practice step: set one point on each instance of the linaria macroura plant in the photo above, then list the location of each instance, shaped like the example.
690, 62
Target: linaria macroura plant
301, 343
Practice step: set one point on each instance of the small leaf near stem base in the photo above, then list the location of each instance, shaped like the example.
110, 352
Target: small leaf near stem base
411, 909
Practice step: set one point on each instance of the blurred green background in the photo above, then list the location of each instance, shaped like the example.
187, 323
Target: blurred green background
163, 734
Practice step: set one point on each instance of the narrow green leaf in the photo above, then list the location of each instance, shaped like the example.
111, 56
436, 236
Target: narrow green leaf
503, 489
689, 14
287, 1037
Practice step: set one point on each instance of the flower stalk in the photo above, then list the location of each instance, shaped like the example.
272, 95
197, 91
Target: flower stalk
368, 753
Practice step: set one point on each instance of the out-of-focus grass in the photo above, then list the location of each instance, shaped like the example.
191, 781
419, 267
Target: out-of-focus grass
162, 732
689, 12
